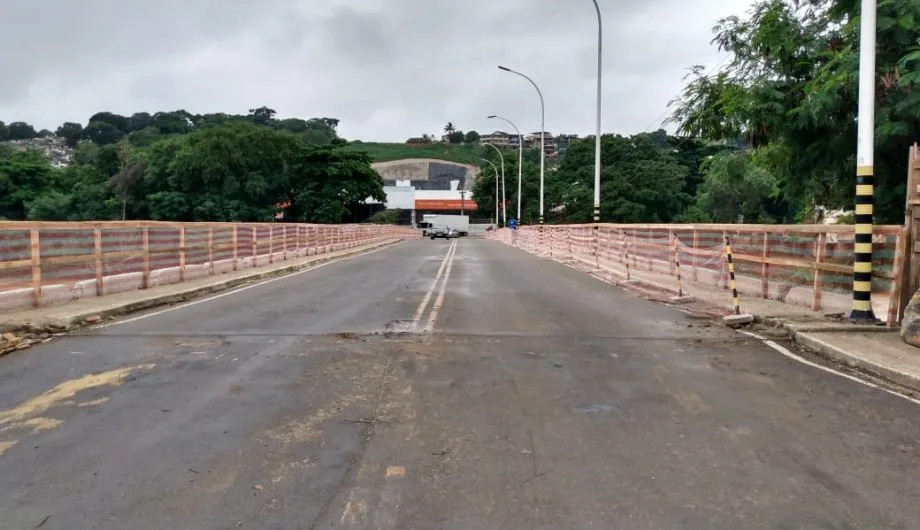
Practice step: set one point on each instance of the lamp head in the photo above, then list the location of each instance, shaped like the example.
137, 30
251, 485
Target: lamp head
505, 68
490, 117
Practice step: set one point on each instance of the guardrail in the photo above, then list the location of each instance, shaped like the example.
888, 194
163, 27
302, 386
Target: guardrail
804, 265
44, 263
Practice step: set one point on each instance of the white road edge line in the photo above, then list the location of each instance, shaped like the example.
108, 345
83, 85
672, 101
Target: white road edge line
235, 291
436, 308
786, 352
434, 285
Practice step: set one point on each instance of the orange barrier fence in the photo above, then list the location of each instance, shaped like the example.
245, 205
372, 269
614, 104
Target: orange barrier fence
804, 265
45, 263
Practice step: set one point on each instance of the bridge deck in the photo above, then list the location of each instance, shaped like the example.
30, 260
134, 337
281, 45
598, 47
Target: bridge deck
449, 385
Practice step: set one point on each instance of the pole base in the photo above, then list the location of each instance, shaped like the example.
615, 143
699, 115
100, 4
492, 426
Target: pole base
681, 299
862, 316
738, 320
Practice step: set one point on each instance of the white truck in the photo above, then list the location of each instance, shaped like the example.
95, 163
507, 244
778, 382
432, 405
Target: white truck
460, 223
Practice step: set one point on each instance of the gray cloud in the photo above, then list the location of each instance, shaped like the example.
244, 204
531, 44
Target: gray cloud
389, 69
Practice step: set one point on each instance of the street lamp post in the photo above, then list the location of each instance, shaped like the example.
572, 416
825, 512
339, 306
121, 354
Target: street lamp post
865, 167
504, 208
542, 133
520, 159
597, 136
496, 187
597, 139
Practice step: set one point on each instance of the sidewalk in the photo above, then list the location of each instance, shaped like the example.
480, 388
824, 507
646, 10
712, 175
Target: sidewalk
91, 310
876, 350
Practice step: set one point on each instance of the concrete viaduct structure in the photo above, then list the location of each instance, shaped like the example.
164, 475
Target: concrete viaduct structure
428, 185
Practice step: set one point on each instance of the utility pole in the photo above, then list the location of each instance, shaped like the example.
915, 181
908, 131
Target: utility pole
865, 168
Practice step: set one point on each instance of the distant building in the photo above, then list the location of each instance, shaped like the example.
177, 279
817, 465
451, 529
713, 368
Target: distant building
427, 187
53, 147
499, 139
532, 141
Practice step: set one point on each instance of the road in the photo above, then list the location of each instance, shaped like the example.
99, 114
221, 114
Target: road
442, 385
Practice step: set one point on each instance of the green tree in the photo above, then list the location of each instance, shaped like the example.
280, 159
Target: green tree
735, 189
323, 183
262, 115
4, 132
71, 133
456, 137
91, 196
52, 205
102, 133
791, 89
145, 137
640, 182
20, 130
130, 171
471, 137
24, 176
483, 187
294, 125
183, 167
139, 121
122, 123
321, 131
175, 122
385, 217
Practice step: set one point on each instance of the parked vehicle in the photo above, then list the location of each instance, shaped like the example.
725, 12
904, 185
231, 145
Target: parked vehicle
443, 232
460, 223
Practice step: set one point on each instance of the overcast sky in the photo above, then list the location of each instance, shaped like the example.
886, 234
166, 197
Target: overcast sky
388, 69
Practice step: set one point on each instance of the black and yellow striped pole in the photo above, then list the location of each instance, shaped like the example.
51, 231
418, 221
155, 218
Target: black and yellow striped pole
680, 285
597, 229
626, 251
865, 170
739, 317
862, 246
731, 275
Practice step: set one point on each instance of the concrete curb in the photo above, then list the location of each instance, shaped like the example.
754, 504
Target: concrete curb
831, 352
79, 319
820, 327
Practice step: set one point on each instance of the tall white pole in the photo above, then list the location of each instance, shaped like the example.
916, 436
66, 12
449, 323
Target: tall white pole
496, 201
520, 160
504, 208
865, 167
597, 139
496, 187
542, 133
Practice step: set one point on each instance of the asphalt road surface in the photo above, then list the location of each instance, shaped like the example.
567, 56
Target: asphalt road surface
442, 385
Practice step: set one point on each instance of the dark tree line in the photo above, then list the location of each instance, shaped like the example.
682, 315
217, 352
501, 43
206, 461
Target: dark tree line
182, 167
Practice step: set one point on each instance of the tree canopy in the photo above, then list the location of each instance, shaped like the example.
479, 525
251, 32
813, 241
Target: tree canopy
181, 167
645, 178
789, 92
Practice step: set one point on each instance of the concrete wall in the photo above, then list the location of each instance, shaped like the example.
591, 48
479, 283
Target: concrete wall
425, 173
